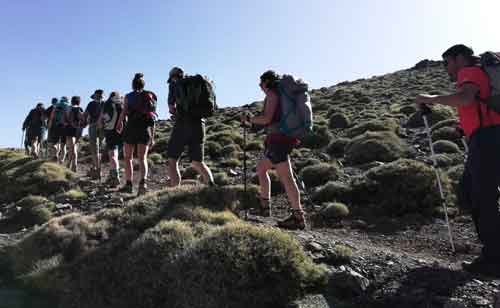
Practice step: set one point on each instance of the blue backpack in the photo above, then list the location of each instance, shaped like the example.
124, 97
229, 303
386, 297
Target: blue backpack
296, 118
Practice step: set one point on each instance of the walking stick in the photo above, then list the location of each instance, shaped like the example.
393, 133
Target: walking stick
22, 140
425, 112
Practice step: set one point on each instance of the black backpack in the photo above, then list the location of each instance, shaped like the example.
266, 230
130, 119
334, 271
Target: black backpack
197, 97
144, 108
76, 118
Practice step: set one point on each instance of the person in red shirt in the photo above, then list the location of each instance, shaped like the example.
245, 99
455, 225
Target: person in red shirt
481, 176
276, 154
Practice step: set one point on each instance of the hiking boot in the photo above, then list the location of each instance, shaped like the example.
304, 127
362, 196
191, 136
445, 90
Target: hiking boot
483, 266
127, 188
296, 221
142, 189
112, 181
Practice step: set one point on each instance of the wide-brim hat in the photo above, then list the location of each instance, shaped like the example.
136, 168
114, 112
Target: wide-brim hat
98, 91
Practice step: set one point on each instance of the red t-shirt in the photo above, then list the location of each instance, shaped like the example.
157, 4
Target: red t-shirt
469, 115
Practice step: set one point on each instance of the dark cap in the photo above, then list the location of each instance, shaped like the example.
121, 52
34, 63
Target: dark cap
457, 50
97, 92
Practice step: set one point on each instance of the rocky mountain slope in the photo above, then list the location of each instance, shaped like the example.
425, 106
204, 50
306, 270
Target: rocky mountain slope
377, 235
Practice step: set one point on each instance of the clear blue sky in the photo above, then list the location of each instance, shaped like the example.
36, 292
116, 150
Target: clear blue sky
55, 48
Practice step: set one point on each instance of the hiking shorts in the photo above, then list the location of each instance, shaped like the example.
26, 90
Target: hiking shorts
278, 152
57, 134
34, 135
190, 133
95, 133
113, 140
73, 132
133, 134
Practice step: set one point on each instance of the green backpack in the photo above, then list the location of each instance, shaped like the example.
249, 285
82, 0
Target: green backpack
197, 97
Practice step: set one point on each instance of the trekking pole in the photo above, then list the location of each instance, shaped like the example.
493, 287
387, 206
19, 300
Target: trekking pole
22, 140
464, 141
425, 112
245, 166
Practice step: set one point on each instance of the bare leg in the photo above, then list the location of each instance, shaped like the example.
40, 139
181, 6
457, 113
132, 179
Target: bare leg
173, 172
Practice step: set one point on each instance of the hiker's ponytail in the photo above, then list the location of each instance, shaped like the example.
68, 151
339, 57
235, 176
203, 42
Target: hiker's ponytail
138, 83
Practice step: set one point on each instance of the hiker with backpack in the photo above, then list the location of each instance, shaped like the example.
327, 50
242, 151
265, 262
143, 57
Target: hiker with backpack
476, 99
110, 115
190, 100
284, 97
139, 109
57, 130
96, 135
74, 120
34, 125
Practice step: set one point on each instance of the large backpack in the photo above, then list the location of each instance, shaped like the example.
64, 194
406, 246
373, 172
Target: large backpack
111, 112
197, 97
143, 109
490, 63
76, 117
296, 110
59, 110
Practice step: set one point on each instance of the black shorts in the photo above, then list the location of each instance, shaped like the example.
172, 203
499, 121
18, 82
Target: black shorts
57, 134
278, 152
33, 135
136, 134
73, 132
190, 133
113, 140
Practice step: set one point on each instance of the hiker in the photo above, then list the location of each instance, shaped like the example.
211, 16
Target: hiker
74, 121
96, 135
139, 131
481, 126
110, 115
278, 147
34, 125
57, 130
188, 130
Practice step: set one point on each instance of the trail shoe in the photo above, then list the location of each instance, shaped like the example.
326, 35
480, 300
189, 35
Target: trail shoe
483, 266
264, 209
127, 188
142, 190
113, 179
296, 221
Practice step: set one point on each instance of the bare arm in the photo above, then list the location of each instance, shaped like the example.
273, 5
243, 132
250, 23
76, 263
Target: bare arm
464, 96
119, 126
266, 118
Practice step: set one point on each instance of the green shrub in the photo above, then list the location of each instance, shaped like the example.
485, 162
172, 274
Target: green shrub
255, 146
337, 146
156, 158
439, 113
221, 272
276, 186
231, 150
398, 188
163, 248
374, 126
75, 194
332, 191
451, 123
446, 133
20, 176
339, 120
231, 163
319, 138
213, 149
221, 178
34, 210
445, 146
334, 211
319, 174
375, 146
